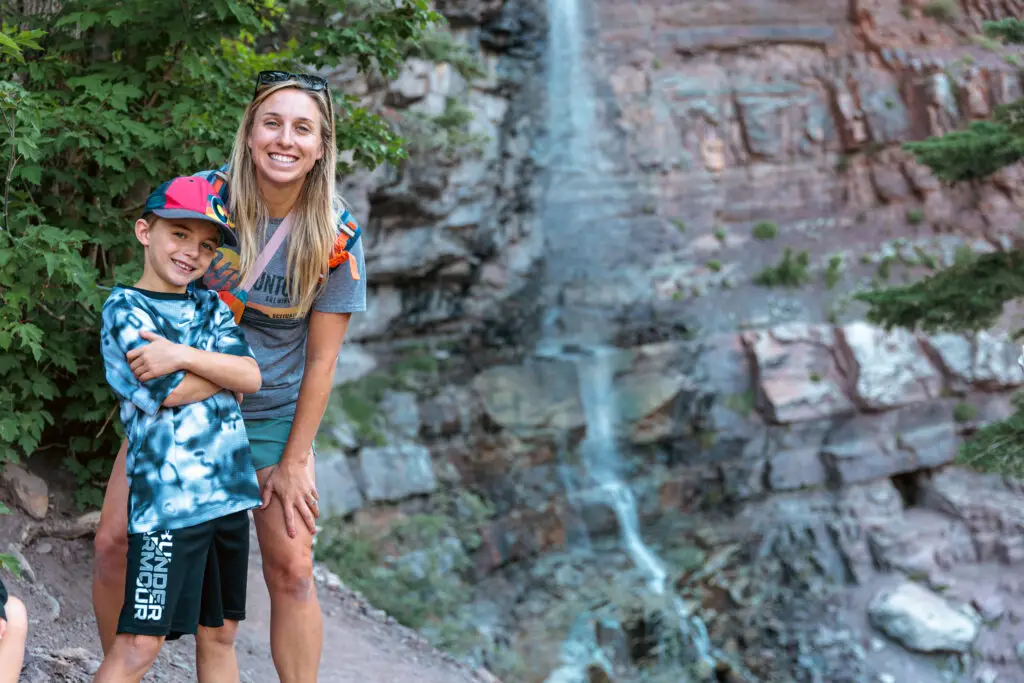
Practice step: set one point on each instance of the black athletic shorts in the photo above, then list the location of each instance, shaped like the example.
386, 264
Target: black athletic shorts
181, 578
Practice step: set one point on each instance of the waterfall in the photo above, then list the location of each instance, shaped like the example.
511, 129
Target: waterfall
602, 462
578, 173
571, 114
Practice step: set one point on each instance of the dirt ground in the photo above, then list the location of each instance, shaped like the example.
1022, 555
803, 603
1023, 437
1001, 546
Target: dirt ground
360, 643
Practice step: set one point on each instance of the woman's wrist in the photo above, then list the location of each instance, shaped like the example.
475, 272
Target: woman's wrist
296, 459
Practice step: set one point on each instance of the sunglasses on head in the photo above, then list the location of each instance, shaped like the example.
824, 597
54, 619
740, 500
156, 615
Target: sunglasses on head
313, 83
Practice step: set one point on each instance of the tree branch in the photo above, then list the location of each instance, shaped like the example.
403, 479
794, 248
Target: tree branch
11, 162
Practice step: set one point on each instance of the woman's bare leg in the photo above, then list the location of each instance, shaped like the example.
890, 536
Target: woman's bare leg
296, 624
111, 562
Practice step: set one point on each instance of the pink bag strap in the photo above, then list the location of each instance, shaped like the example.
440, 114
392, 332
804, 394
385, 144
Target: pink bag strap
269, 249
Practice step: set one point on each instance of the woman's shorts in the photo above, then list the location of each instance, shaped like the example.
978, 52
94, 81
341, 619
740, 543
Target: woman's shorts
267, 438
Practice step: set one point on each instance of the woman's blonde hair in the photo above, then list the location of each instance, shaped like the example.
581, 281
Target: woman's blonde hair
316, 212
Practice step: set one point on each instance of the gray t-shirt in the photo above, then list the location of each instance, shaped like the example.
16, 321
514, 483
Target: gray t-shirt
276, 335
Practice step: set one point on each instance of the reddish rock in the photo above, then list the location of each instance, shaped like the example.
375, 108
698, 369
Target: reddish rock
796, 372
518, 535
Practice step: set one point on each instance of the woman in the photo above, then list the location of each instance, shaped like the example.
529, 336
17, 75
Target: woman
298, 310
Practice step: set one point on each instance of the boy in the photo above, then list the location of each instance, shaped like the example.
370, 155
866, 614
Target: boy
191, 477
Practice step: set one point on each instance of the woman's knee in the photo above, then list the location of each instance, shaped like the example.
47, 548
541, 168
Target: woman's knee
111, 547
289, 570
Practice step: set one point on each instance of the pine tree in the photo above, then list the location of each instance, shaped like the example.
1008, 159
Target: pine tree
970, 294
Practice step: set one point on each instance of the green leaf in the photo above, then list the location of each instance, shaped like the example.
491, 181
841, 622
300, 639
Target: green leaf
10, 48
11, 564
32, 174
9, 429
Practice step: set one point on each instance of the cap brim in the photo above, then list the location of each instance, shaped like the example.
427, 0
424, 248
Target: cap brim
228, 237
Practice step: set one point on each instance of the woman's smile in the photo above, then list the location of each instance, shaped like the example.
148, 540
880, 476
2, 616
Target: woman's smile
285, 140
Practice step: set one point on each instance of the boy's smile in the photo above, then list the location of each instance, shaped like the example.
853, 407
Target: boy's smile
178, 251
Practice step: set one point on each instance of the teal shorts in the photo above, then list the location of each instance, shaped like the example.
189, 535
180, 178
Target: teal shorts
267, 438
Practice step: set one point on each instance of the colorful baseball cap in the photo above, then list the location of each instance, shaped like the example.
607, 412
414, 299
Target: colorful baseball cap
192, 197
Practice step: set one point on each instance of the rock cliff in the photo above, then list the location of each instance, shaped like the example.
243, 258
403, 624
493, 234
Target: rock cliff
791, 463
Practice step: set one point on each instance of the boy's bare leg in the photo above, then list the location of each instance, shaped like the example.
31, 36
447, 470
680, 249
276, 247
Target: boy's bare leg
216, 659
129, 659
12, 645
111, 544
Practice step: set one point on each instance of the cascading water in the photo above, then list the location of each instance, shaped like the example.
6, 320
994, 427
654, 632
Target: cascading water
577, 172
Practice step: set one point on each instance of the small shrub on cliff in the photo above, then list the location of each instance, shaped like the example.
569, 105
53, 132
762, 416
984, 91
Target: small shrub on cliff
765, 230
446, 134
440, 46
941, 10
834, 271
970, 294
964, 412
791, 271
915, 216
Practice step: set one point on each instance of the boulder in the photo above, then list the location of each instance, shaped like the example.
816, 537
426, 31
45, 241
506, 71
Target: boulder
337, 487
796, 374
354, 363
985, 360
402, 412
921, 620
30, 492
887, 369
396, 471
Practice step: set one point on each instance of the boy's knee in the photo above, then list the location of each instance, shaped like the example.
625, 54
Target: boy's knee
138, 652
220, 637
17, 616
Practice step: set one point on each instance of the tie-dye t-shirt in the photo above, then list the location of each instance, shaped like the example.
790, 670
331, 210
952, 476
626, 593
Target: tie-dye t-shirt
187, 464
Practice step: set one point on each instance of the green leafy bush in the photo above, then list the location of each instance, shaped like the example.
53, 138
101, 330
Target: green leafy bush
765, 230
101, 101
790, 271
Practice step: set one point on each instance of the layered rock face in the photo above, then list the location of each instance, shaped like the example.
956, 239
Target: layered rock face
449, 235
788, 116
755, 180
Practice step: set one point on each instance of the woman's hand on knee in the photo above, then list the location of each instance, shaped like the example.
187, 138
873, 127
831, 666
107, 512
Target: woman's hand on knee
294, 486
